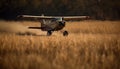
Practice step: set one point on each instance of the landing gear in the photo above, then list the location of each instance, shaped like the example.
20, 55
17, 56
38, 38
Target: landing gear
49, 33
65, 33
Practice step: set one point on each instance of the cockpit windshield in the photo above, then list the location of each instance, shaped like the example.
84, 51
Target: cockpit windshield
57, 19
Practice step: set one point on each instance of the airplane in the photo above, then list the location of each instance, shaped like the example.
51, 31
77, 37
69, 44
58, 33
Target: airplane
52, 23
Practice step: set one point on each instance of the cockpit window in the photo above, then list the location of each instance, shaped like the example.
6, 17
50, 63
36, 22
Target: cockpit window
57, 19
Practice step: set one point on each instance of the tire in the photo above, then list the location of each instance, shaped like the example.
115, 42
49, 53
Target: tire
49, 33
65, 33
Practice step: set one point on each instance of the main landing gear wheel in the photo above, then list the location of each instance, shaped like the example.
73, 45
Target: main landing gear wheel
65, 33
49, 33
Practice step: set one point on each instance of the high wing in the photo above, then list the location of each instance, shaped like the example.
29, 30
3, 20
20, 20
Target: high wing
31, 17
67, 18
75, 18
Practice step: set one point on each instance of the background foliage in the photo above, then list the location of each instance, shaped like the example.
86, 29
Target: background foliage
97, 9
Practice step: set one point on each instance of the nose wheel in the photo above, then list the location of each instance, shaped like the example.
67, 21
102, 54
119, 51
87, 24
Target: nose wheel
49, 33
65, 33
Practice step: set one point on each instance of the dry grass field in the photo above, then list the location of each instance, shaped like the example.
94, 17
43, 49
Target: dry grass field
90, 45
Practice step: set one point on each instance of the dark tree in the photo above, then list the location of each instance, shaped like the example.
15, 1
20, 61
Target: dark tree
97, 9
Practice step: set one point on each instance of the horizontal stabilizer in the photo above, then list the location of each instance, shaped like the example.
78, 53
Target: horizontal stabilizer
34, 27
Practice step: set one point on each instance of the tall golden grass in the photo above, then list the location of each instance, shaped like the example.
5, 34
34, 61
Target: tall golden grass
90, 45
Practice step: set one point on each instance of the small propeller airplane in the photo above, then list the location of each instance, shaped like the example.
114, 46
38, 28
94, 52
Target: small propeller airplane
52, 23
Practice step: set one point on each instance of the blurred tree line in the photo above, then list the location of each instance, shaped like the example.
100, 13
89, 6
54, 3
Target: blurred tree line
97, 9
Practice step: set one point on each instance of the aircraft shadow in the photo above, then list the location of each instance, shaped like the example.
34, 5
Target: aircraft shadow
33, 35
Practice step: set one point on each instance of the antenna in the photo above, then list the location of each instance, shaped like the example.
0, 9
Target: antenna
42, 14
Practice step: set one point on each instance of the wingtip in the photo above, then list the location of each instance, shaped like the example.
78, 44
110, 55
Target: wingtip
19, 16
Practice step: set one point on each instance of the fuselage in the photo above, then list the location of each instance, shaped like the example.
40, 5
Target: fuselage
54, 24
